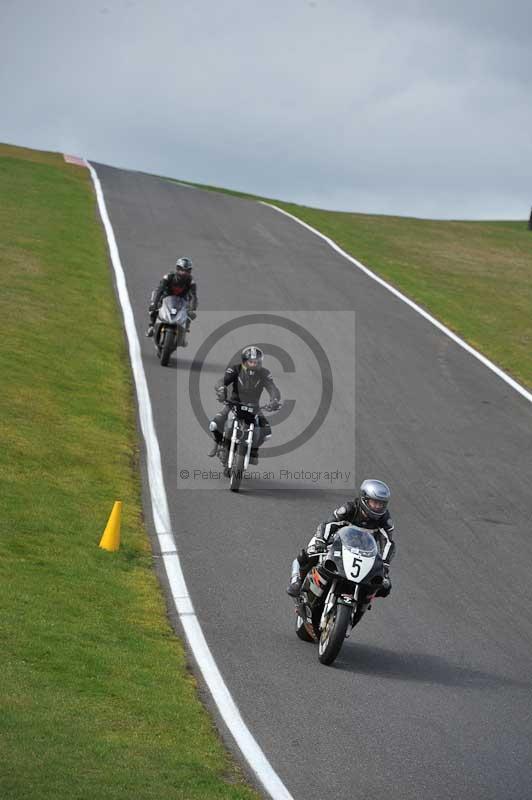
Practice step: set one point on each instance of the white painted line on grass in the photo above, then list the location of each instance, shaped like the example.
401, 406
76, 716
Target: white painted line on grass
487, 363
161, 517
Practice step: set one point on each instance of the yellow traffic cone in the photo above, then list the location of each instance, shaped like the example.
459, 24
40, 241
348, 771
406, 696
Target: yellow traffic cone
111, 535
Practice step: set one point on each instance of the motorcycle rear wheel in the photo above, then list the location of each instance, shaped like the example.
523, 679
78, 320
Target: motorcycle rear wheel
333, 635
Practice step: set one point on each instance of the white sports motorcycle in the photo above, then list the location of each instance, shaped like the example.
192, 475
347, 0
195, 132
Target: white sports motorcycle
170, 329
337, 592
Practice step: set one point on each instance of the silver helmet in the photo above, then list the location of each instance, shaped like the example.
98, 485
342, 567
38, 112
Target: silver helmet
184, 264
251, 358
374, 498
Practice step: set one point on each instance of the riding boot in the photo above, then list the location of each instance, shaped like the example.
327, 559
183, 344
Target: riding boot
216, 435
296, 580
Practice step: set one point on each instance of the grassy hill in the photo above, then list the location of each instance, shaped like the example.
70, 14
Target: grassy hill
475, 277
87, 653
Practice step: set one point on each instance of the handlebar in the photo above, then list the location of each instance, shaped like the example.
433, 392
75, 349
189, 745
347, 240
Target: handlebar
253, 405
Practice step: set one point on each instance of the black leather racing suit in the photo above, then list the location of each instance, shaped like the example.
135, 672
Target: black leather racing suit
181, 285
246, 386
350, 514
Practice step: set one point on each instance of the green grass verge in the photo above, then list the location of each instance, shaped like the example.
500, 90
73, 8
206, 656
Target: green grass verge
475, 277
96, 698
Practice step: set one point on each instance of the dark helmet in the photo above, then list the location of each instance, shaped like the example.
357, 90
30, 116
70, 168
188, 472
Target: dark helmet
183, 264
374, 498
252, 358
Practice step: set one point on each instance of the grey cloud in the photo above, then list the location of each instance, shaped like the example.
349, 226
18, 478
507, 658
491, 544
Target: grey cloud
414, 108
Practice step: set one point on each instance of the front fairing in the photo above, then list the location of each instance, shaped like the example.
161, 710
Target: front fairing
173, 311
355, 553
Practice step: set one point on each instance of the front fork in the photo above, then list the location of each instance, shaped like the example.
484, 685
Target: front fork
234, 443
344, 599
249, 442
234, 439
163, 328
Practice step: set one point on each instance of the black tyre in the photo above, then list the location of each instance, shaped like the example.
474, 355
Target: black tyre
333, 635
301, 630
237, 470
181, 335
168, 346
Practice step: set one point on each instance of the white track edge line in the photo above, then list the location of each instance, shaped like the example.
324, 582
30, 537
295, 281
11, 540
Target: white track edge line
447, 331
161, 517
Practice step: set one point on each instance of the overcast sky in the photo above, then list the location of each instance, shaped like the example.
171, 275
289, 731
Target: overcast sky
421, 107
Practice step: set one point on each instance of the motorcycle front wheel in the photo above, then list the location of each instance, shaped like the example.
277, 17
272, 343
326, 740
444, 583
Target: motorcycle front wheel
237, 470
333, 635
167, 348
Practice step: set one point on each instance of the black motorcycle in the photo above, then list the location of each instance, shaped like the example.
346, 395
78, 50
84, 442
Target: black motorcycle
240, 435
338, 591
170, 329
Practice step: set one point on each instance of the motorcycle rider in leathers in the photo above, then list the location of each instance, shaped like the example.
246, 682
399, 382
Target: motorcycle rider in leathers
245, 382
369, 510
179, 282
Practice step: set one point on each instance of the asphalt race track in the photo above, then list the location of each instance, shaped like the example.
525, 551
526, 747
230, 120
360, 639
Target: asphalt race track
431, 697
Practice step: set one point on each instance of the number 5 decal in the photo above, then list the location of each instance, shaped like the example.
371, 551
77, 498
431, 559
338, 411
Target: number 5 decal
355, 569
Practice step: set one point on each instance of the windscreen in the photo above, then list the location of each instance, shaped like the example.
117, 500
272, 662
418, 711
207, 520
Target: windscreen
179, 306
358, 539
